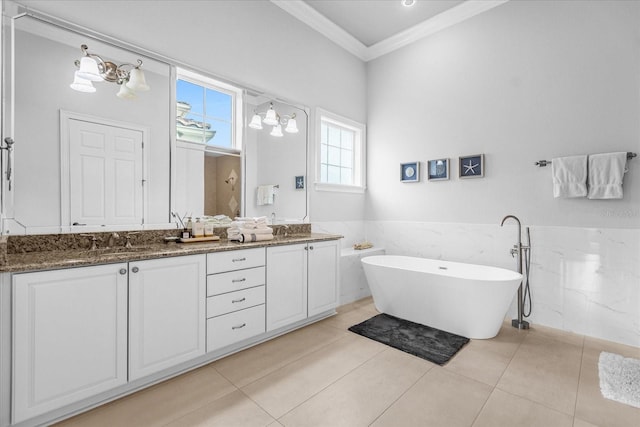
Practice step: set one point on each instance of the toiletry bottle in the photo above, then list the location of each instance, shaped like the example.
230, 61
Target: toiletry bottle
208, 229
198, 228
189, 227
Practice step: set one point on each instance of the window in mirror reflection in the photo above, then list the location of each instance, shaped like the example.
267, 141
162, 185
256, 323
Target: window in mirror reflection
206, 110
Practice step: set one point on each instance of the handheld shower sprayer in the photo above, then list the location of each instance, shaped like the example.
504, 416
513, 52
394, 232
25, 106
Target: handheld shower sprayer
523, 252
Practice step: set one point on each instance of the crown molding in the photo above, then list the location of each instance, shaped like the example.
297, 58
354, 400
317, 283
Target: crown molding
324, 26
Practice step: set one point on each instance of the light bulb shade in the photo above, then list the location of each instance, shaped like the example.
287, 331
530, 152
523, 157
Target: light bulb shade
271, 119
256, 122
277, 131
125, 92
89, 69
292, 126
137, 81
81, 85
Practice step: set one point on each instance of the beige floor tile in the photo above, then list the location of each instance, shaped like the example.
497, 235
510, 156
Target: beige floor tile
233, 410
344, 320
359, 397
504, 409
286, 388
591, 405
579, 423
546, 371
611, 347
486, 360
439, 398
254, 363
556, 334
159, 404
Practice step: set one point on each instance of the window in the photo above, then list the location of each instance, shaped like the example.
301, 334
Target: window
208, 111
341, 160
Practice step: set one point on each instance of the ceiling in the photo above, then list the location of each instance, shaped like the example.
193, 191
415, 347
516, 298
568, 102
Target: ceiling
371, 21
372, 28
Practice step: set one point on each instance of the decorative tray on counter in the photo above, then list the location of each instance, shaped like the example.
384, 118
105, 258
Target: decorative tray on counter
199, 239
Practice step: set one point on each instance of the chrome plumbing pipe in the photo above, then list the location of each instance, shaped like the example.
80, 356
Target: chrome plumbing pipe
519, 323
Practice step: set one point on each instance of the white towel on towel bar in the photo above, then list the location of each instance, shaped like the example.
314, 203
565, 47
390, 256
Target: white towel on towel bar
569, 176
266, 194
606, 172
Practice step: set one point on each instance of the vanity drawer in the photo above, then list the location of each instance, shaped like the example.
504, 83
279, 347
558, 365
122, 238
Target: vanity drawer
234, 301
235, 280
219, 262
235, 327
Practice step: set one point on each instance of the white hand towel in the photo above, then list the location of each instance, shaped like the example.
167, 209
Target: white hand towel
265, 194
569, 176
606, 172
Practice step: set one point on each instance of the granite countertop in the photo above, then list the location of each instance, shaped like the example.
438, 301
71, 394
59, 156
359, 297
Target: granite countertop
46, 260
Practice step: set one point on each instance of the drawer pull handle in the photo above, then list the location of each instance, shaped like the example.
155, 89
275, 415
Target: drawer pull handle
239, 327
238, 259
238, 300
239, 280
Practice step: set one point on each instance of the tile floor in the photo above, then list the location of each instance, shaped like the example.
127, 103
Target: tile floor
323, 375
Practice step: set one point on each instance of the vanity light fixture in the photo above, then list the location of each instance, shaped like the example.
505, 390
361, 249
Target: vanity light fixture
92, 68
272, 118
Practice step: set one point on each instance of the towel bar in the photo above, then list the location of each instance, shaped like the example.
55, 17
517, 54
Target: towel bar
543, 163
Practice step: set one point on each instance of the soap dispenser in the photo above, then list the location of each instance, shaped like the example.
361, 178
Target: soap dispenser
189, 227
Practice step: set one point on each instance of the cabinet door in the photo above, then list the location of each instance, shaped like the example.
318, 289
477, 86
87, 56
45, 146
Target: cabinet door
70, 336
323, 276
286, 285
166, 313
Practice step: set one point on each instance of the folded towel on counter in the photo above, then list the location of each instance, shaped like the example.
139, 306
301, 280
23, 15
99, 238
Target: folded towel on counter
569, 176
265, 194
251, 237
606, 172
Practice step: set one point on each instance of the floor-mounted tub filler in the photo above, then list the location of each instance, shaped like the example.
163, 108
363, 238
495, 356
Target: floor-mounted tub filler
465, 299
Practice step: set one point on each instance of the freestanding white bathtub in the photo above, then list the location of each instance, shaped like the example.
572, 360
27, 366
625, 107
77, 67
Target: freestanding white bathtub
465, 299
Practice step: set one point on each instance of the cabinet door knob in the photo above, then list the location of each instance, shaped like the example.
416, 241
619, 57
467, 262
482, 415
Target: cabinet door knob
311, 247
135, 269
306, 248
123, 271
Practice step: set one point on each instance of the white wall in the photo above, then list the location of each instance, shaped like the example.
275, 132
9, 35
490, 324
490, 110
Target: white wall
525, 81
254, 43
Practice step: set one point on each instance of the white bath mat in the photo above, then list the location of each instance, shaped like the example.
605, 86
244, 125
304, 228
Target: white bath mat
620, 378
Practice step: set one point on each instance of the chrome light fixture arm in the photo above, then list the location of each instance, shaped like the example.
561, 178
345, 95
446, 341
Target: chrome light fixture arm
109, 71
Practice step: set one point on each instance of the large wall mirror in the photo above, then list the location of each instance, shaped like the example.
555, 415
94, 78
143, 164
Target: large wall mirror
62, 180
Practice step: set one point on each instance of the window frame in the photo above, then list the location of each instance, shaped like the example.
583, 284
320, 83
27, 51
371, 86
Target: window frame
236, 94
359, 149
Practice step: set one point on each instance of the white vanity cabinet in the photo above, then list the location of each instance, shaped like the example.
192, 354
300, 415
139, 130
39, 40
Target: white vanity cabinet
302, 281
286, 285
70, 336
235, 296
166, 313
323, 273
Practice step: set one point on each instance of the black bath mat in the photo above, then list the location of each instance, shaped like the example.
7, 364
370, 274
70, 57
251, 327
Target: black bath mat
423, 341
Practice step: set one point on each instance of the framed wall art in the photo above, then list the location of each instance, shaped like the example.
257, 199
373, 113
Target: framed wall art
438, 170
471, 166
410, 172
